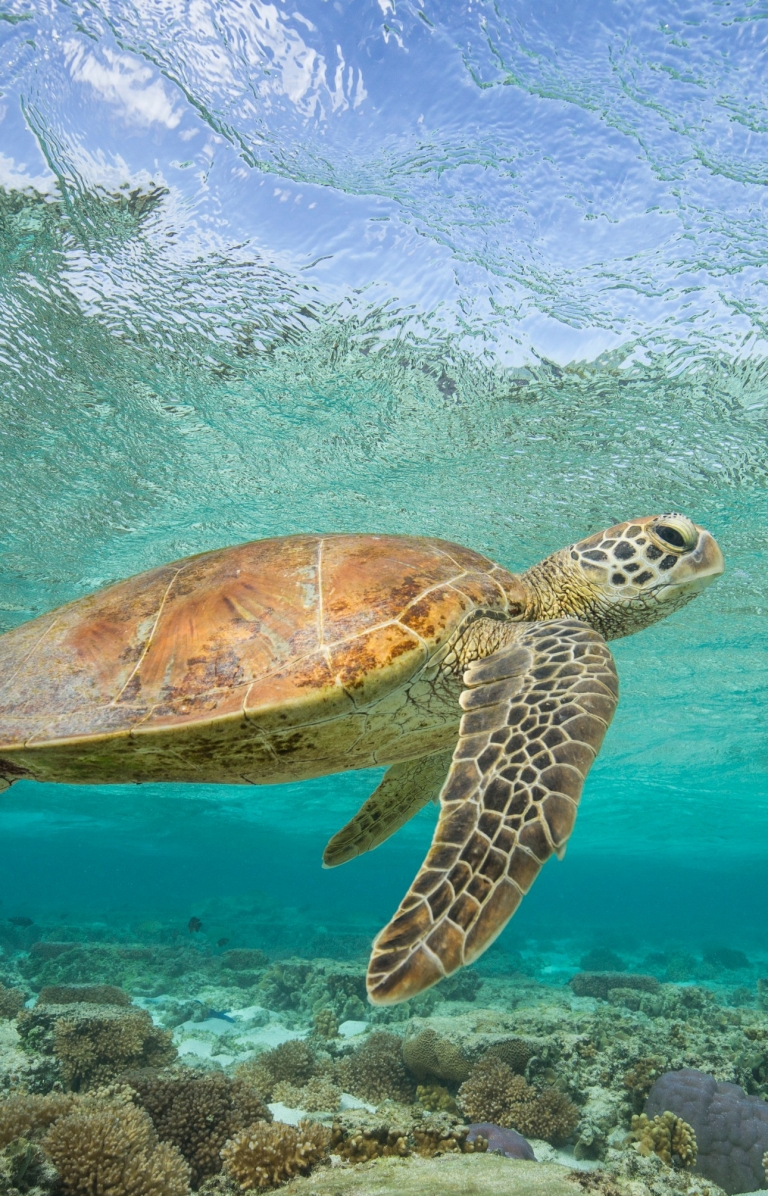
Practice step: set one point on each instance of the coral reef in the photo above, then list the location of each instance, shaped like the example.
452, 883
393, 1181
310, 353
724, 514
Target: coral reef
108, 1147
436, 1098
600, 984
507, 1142
393, 1130
512, 1051
762, 993
25, 1170
11, 1001
375, 1072
86, 994
28, 1115
293, 1061
428, 1054
726, 957
326, 1023
671, 1138
731, 1128
197, 1113
268, 1154
95, 1043
318, 1095
493, 1093
257, 1076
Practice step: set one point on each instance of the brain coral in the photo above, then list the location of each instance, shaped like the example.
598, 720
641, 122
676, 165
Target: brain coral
270, 1154
493, 1093
731, 1128
375, 1071
428, 1054
671, 1138
110, 1148
197, 1113
512, 1051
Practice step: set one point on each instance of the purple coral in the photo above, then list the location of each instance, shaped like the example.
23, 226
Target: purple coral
507, 1142
731, 1127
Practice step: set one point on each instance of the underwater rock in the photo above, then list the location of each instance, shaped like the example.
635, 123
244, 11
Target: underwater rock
93, 1044
731, 1128
197, 1113
726, 957
507, 1142
427, 1053
269, 1154
453, 1174
599, 984
108, 1147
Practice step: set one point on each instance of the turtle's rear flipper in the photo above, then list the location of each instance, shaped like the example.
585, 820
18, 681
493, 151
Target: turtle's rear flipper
535, 716
404, 789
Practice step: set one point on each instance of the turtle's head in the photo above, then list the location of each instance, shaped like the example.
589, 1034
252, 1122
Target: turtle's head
627, 577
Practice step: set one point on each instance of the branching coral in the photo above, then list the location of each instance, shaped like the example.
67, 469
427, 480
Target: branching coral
95, 1043
11, 1001
427, 1053
198, 1113
293, 1061
257, 1076
110, 1148
326, 1023
436, 1098
27, 1115
493, 1093
319, 1095
270, 1154
671, 1138
376, 1072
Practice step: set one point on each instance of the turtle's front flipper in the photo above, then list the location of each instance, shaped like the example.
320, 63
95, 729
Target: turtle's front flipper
535, 716
404, 789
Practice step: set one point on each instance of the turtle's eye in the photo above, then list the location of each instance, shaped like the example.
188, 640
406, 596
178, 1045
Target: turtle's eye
676, 532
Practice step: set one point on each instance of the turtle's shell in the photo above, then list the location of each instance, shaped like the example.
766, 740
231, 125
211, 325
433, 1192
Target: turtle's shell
282, 631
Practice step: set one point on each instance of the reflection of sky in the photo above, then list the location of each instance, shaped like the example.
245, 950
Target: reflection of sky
572, 179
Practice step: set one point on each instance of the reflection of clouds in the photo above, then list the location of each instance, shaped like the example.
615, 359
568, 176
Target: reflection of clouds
123, 80
255, 51
14, 177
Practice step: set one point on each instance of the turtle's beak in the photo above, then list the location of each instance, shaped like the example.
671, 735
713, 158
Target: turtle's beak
699, 568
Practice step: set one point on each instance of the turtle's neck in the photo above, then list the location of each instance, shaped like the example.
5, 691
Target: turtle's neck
556, 590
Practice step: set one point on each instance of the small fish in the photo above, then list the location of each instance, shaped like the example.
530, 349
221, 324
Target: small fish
220, 1014
194, 925
221, 942
21, 921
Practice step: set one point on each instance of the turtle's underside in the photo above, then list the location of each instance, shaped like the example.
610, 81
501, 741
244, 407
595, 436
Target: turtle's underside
291, 658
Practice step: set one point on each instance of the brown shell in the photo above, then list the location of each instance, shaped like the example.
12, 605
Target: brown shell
276, 630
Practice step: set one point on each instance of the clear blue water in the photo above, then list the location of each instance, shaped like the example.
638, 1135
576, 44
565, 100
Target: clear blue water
493, 272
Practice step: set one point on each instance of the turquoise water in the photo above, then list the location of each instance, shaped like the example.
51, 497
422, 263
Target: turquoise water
492, 272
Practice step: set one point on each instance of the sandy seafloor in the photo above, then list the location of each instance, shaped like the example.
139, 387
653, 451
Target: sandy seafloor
227, 1005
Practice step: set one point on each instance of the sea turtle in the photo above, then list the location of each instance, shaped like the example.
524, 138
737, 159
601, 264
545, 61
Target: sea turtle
306, 655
